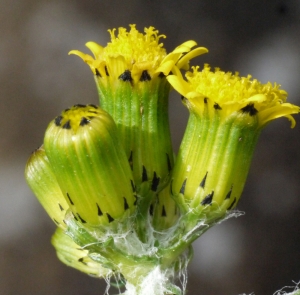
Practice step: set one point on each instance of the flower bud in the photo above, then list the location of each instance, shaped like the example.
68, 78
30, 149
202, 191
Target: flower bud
90, 165
42, 180
73, 255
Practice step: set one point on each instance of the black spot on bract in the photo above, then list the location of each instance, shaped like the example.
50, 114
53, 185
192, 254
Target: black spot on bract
55, 221
144, 174
161, 75
133, 186
163, 211
205, 100
106, 71
217, 107
171, 190
202, 183
208, 199
97, 73
135, 202
67, 125
81, 260
79, 105
151, 210
110, 219
145, 76
71, 202
58, 120
99, 210
125, 204
232, 204
155, 182
182, 189
81, 219
130, 161
84, 121
61, 207
169, 163
249, 109
126, 76
228, 194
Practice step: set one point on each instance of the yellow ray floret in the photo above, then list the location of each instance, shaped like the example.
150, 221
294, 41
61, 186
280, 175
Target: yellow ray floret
228, 93
137, 52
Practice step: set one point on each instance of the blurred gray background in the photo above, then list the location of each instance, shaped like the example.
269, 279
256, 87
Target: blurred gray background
258, 252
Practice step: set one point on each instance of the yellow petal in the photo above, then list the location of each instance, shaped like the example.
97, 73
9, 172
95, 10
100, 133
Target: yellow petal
190, 55
281, 110
178, 84
85, 57
257, 98
165, 67
95, 48
185, 47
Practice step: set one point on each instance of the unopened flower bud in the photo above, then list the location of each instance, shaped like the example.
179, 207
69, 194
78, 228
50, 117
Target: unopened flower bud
73, 255
91, 167
42, 180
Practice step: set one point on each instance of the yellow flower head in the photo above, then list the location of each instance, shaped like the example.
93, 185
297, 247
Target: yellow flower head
140, 56
227, 93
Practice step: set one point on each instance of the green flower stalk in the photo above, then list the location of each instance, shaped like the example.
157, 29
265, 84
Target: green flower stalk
90, 165
227, 114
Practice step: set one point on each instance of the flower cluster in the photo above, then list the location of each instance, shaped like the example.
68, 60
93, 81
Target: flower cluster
124, 205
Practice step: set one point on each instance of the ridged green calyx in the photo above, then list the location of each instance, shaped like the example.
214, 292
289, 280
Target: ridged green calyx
90, 165
42, 180
214, 161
